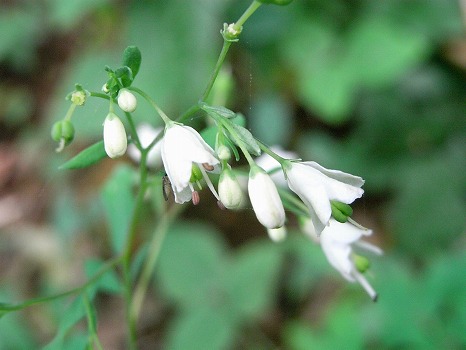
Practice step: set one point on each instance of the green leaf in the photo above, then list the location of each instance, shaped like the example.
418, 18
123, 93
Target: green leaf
118, 200
252, 279
246, 138
131, 59
191, 264
219, 110
87, 157
202, 329
107, 283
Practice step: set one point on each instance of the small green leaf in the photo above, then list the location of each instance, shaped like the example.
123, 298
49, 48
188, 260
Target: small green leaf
247, 139
132, 59
219, 110
87, 157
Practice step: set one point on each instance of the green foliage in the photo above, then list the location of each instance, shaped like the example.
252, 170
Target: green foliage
118, 200
86, 157
216, 294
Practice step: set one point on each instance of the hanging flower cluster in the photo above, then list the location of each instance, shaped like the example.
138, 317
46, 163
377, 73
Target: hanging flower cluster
276, 179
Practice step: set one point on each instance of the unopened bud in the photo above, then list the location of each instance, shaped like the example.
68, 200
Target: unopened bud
223, 152
115, 140
127, 101
229, 190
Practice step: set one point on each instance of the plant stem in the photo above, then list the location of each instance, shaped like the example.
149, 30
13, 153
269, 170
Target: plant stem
161, 113
103, 270
244, 17
129, 248
218, 65
153, 252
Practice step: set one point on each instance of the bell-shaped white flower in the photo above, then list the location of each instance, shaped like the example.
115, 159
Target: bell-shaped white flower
181, 148
264, 198
317, 186
229, 190
337, 241
147, 134
127, 101
115, 141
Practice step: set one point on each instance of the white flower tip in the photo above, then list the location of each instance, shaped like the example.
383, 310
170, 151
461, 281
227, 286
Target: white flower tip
277, 234
127, 101
366, 285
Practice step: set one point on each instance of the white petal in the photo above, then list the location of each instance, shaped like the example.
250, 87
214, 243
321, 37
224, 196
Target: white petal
337, 175
277, 234
265, 199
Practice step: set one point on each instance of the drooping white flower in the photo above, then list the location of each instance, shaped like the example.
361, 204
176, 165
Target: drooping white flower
127, 101
181, 148
147, 134
229, 190
317, 186
337, 241
264, 198
115, 141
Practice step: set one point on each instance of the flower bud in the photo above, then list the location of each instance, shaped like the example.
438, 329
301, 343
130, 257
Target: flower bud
115, 141
229, 190
63, 130
127, 101
277, 234
223, 152
265, 199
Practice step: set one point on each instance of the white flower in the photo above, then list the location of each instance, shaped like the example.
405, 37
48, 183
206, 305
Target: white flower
127, 101
317, 186
337, 241
181, 148
273, 167
115, 141
229, 190
277, 234
147, 134
265, 199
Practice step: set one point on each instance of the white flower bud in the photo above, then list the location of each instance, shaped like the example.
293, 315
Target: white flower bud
277, 234
127, 101
115, 141
223, 152
265, 199
229, 190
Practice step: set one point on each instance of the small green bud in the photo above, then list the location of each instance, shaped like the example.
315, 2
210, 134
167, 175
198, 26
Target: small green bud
67, 131
275, 2
230, 33
196, 174
56, 131
361, 262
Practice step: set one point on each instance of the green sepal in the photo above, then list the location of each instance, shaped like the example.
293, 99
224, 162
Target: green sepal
275, 2
87, 157
131, 59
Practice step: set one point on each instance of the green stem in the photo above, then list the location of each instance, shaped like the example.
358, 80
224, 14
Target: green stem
127, 254
103, 270
244, 17
161, 113
218, 65
134, 133
149, 265
189, 113
267, 150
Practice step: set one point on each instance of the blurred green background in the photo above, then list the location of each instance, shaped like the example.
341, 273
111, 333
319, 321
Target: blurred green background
374, 88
